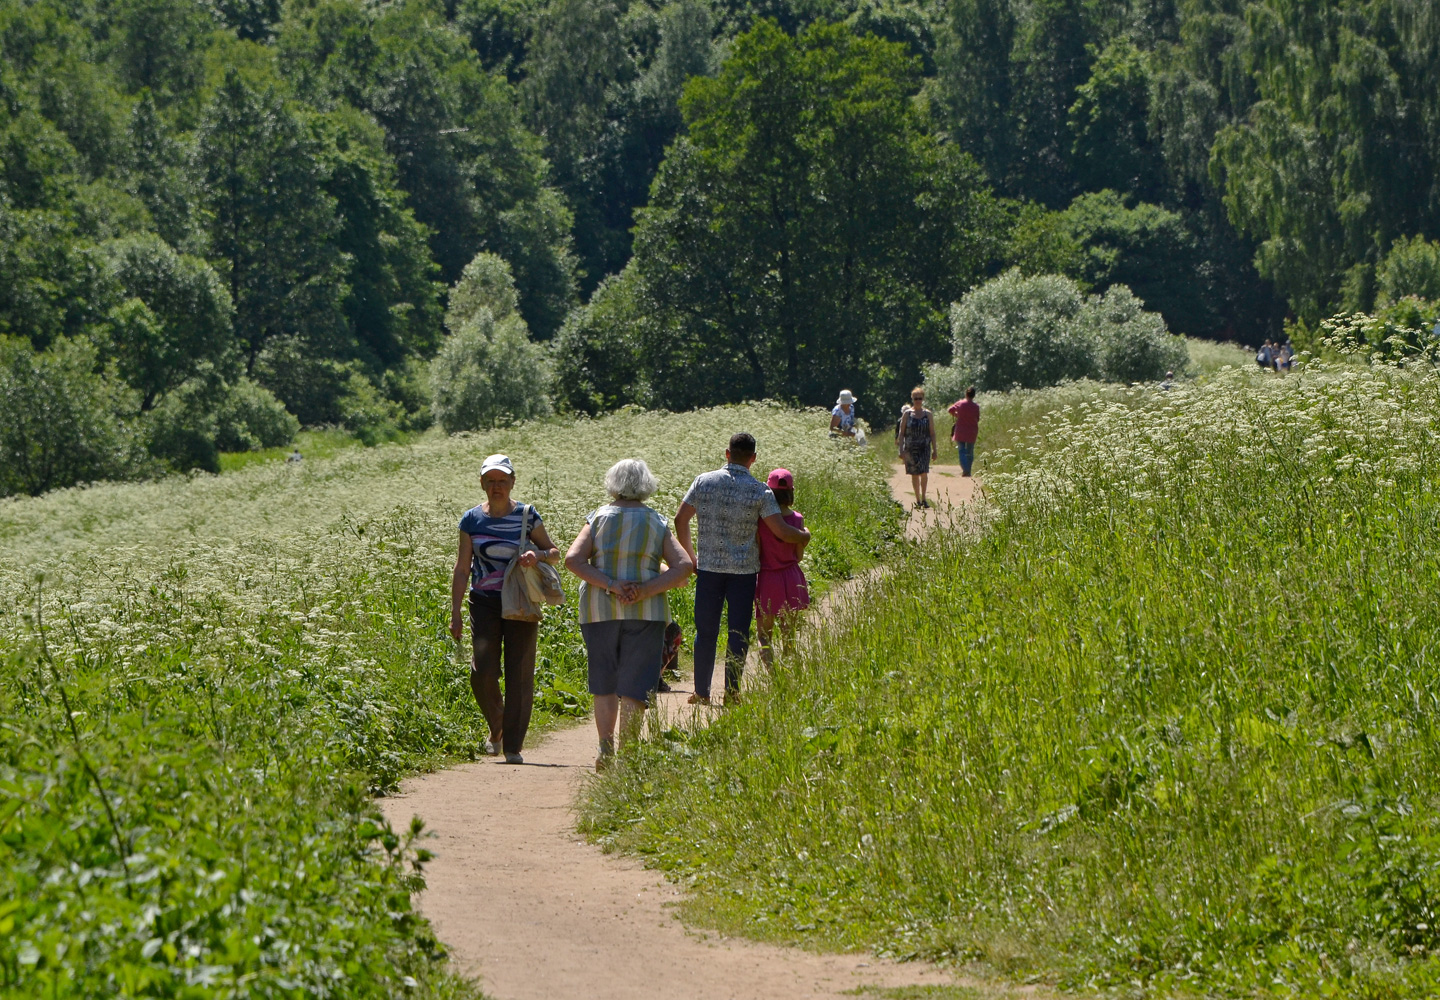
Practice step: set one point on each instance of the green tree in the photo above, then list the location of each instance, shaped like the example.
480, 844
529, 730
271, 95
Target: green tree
793, 234
1146, 248
272, 225
472, 174
1410, 267
158, 175
1337, 157
487, 371
61, 423
1108, 122
391, 299
158, 45
174, 320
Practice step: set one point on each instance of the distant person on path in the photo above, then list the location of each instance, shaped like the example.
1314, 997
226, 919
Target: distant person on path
294, 458
1168, 383
781, 592
728, 502
1264, 357
623, 611
489, 540
967, 428
915, 440
842, 418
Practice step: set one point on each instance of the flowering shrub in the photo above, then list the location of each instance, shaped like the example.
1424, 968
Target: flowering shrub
244, 659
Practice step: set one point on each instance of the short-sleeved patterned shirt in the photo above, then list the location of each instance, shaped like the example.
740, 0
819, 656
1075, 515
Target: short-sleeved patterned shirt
729, 502
628, 545
495, 541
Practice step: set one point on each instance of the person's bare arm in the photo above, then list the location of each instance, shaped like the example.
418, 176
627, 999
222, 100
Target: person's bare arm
834, 421
548, 552
678, 567
785, 532
934, 438
458, 579
683, 516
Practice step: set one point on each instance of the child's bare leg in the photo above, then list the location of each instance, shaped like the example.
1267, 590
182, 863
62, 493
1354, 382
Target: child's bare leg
789, 623
764, 631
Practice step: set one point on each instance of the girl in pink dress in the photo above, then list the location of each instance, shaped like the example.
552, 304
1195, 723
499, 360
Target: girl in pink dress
780, 591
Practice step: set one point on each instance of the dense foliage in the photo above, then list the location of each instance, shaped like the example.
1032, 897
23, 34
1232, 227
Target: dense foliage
1165, 721
1018, 332
203, 680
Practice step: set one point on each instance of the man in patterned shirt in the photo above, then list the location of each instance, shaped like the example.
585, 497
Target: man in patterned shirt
730, 503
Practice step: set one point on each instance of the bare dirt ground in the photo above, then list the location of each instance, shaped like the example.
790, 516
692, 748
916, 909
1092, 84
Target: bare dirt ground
532, 910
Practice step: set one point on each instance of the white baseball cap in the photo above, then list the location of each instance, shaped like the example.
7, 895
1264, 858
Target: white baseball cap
501, 462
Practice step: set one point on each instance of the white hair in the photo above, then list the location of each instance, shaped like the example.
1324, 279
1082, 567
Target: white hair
630, 479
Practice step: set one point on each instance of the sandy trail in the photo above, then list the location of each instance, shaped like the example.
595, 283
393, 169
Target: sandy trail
532, 910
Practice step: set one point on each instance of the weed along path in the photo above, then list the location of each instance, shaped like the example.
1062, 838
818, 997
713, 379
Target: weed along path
535, 912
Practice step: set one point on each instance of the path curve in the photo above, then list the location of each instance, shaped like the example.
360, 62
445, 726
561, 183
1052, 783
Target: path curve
535, 912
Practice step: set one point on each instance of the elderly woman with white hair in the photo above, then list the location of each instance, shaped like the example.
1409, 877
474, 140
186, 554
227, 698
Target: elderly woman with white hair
623, 611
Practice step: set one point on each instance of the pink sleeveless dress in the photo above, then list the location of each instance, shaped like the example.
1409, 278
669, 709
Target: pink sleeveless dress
781, 585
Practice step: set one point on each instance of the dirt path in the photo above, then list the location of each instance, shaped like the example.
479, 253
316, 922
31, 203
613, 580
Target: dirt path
947, 492
532, 910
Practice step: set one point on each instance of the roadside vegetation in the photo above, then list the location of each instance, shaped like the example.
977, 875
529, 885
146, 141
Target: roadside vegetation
203, 682
1163, 722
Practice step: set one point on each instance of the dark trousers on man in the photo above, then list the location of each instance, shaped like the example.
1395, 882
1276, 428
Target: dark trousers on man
714, 592
508, 714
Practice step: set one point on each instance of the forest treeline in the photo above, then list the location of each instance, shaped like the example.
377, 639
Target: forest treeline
222, 219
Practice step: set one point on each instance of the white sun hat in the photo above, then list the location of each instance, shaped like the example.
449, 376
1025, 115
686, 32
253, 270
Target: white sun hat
847, 398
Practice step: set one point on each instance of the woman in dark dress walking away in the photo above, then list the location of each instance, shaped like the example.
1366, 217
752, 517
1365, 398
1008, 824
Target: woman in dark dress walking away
915, 440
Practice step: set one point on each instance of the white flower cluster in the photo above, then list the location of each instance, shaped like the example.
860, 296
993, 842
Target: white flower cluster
142, 566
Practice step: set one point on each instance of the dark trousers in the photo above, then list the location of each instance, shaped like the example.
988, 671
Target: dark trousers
714, 591
507, 714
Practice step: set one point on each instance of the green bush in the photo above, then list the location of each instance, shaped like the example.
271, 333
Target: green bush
488, 372
1130, 344
61, 421
367, 413
181, 430
309, 386
1411, 268
598, 350
1028, 332
251, 418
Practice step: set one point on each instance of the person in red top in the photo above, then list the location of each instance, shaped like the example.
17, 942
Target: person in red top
967, 428
781, 592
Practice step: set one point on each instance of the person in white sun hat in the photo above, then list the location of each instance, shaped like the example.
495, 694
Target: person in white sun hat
489, 540
842, 418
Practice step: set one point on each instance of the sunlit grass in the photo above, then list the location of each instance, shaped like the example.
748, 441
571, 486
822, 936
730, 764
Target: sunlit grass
1209, 356
247, 658
318, 443
1164, 723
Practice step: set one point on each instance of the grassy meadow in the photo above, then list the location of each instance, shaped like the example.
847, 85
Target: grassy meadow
203, 682
1164, 722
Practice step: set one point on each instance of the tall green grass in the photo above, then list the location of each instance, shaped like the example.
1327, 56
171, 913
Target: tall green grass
1163, 721
204, 680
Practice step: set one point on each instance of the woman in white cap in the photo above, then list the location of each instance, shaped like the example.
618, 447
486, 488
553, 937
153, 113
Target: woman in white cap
842, 418
489, 540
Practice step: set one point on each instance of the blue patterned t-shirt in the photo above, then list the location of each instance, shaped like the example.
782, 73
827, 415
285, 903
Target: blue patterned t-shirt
494, 542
